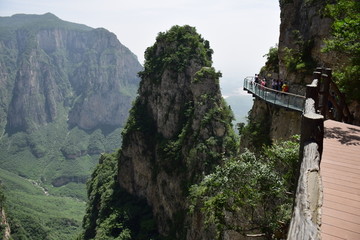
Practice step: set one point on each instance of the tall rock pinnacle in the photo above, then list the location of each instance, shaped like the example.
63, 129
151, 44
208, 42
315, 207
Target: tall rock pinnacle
179, 127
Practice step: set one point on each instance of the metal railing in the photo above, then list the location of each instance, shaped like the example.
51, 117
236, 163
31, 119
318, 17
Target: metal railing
279, 98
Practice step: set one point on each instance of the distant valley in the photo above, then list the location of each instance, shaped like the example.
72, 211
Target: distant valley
65, 93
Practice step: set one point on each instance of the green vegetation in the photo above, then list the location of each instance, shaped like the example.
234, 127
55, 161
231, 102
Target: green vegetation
254, 188
53, 151
38, 141
111, 212
182, 154
272, 60
298, 59
345, 42
256, 132
59, 215
178, 47
34, 215
206, 73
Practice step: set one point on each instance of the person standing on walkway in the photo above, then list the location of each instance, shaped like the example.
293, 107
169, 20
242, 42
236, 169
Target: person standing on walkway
285, 87
263, 83
256, 78
273, 84
277, 85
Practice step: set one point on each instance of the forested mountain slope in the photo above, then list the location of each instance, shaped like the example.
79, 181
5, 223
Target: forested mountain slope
65, 93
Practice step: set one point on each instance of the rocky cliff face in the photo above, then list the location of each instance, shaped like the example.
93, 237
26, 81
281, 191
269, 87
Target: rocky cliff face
178, 129
49, 64
303, 29
65, 93
5, 225
278, 123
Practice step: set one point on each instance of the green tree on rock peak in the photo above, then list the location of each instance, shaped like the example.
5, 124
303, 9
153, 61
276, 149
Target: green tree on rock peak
175, 49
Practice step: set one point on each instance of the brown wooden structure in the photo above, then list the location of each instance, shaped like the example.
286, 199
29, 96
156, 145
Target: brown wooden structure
306, 218
340, 172
331, 102
327, 202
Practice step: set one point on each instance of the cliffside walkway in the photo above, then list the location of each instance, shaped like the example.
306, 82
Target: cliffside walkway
340, 172
327, 204
282, 99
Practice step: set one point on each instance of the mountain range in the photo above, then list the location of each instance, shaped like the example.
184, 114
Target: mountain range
65, 93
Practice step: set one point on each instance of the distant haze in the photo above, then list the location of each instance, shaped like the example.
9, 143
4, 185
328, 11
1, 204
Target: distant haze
240, 32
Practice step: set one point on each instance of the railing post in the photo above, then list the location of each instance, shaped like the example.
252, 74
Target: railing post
319, 69
312, 125
317, 73
340, 112
315, 94
265, 95
328, 71
288, 102
312, 91
306, 221
325, 94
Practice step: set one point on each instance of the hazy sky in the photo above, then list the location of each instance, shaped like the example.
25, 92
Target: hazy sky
239, 31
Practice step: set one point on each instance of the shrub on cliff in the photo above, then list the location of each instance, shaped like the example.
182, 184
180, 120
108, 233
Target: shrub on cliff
272, 60
345, 39
111, 212
253, 190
